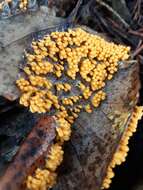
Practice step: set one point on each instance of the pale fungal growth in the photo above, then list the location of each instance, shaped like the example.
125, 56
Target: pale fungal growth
120, 155
65, 74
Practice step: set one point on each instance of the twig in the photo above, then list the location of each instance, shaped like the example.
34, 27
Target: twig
119, 31
135, 33
137, 51
139, 44
135, 7
140, 30
137, 10
114, 12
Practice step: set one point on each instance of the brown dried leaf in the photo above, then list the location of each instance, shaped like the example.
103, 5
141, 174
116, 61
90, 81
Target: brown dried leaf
15, 35
96, 136
30, 154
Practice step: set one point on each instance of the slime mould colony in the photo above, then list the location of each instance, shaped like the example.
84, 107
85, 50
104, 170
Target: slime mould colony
66, 74
22, 5
121, 153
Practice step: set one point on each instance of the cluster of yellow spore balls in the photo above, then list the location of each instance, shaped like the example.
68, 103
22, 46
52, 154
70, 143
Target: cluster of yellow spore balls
120, 155
85, 61
22, 4
46, 178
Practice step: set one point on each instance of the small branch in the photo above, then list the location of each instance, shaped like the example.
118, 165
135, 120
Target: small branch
137, 9
135, 33
137, 51
113, 12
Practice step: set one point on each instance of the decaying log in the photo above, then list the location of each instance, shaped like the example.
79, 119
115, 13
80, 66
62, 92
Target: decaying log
30, 154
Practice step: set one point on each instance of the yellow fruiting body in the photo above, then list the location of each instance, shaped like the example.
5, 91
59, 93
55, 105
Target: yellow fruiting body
22, 4
76, 54
87, 92
46, 177
71, 100
64, 129
55, 157
88, 108
65, 73
85, 68
63, 86
120, 155
97, 98
43, 178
